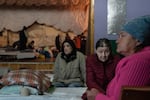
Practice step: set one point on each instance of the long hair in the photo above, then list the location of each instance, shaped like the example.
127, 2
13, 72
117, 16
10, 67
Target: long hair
72, 55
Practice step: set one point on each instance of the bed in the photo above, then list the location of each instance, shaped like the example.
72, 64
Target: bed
22, 76
16, 55
58, 94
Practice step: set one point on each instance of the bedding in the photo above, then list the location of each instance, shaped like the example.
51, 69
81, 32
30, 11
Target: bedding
16, 55
55, 94
26, 77
58, 94
16, 89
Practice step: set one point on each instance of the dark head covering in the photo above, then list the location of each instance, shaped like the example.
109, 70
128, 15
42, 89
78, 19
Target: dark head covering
139, 28
72, 55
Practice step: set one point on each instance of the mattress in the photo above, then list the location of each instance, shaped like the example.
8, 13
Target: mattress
58, 94
17, 55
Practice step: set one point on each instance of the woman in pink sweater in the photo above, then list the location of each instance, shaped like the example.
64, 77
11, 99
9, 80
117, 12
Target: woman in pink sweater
134, 68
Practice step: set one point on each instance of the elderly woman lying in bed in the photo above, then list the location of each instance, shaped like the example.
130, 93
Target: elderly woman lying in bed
36, 82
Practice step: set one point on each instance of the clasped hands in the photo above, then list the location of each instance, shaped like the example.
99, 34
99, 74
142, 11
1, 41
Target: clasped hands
91, 94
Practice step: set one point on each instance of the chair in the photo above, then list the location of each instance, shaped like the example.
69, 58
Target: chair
135, 93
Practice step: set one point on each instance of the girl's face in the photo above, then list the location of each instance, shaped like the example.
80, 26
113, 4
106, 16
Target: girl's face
126, 43
103, 53
67, 48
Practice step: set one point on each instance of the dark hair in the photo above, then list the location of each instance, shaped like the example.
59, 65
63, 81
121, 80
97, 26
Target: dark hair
32, 41
72, 55
103, 42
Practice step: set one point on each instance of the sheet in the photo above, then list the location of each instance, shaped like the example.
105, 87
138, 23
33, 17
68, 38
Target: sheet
58, 94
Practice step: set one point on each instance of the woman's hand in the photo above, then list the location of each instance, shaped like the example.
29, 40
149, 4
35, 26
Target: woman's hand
91, 94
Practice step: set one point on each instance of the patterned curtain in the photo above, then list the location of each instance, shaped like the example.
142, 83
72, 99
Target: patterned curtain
79, 11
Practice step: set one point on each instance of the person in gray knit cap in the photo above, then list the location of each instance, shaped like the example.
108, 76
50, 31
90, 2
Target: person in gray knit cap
134, 68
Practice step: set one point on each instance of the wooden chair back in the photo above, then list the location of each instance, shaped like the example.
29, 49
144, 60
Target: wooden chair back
135, 93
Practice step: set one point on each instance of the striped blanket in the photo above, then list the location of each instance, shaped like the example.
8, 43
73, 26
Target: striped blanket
27, 77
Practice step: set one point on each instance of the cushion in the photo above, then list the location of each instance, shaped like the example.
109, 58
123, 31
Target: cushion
27, 77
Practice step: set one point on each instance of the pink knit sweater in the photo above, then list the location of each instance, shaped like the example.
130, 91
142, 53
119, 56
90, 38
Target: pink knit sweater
133, 70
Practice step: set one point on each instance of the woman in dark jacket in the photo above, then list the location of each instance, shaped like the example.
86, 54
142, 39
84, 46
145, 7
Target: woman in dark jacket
100, 67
